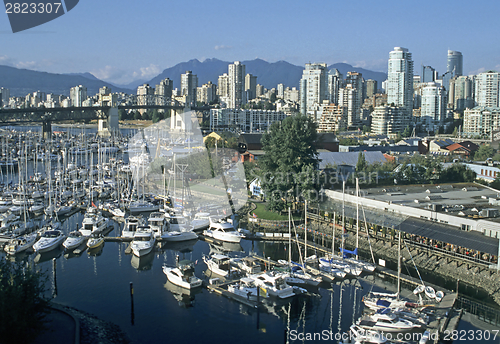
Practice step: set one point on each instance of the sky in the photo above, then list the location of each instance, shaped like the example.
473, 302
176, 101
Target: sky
122, 41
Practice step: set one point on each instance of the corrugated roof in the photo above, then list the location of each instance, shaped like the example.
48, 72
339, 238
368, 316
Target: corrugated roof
349, 158
449, 234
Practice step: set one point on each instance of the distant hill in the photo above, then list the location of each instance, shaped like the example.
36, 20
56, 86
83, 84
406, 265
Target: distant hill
268, 74
20, 82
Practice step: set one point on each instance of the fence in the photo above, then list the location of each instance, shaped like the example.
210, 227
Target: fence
483, 312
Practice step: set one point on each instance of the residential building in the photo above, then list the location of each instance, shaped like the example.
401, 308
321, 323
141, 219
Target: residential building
206, 93
400, 85
77, 95
291, 94
460, 95
236, 73
189, 85
331, 117
223, 87
105, 90
388, 120
348, 98
280, 91
481, 121
4, 100
455, 63
433, 106
313, 86
250, 87
487, 86
335, 83
259, 90
245, 120
429, 74
371, 87
164, 91
145, 96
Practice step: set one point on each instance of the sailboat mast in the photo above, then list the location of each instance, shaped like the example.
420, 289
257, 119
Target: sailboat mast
305, 231
399, 262
357, 216
289, 237
343, 217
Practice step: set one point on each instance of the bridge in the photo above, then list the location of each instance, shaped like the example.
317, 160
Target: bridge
106, 113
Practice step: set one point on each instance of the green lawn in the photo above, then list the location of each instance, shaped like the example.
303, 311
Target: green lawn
263, 213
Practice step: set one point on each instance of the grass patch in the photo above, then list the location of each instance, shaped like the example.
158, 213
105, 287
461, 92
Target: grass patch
263, 213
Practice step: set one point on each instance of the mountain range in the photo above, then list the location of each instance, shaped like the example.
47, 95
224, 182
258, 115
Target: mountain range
24, 81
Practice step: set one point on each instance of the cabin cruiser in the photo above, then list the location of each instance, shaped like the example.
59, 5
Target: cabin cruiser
183, 275
178, 229
342, 265
245, 288
384, 320
74, 240
248, 265
222, 230
49, 240
219, 264
362, 335
143, 242
20, 244
200, 221
93, 222
375, 301
142, 206
158, 223
132, 224
274, 284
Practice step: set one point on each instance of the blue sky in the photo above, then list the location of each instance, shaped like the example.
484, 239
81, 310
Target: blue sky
120, 41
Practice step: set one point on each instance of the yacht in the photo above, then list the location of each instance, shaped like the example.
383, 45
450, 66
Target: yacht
384, 320
21, 243
375, 301
143, 242
178, 229
158, 223
93, 222
248, 265
274, 284
219, 264
132, 224
49, 240
222, 230
200, 221
74, 240
362, 335
183, 275
245, 288
142, 206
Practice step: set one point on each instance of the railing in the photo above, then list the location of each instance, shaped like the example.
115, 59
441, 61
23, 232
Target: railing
453, 254
483, 312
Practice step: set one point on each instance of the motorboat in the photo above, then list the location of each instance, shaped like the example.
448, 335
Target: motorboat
74, 240
183, 275
200, 221
132, 224
143, 242
343, 265
49, 240
178, 229
20, 244
274, 284
93, 222
158, 223
95, 241
248, 265
362, 335
142, 206
222, 230
375, 301
219, 264
246, 288
384, 320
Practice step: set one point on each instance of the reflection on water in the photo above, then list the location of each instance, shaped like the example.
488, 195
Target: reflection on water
144, 262
185, 297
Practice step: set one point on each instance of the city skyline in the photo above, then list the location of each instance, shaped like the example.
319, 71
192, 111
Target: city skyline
136, 41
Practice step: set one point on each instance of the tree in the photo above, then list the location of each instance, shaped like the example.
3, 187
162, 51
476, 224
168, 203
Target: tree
362, 164
22, 303
484, 152
289, 147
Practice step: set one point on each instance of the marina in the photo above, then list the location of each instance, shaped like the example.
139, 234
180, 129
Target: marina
171, 278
